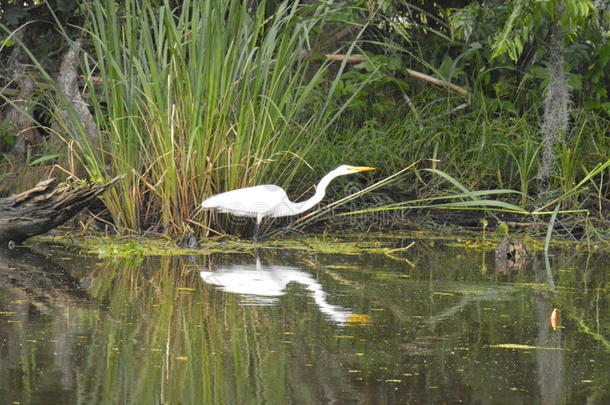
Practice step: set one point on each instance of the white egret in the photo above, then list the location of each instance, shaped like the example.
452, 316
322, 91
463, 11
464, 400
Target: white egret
269, 200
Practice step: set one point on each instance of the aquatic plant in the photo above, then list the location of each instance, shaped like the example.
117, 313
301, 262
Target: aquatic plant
194, 100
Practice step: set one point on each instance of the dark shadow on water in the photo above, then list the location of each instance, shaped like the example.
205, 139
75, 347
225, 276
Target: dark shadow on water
36, 278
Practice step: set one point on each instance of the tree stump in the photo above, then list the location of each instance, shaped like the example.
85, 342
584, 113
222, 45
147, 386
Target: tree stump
44, 207
511, 254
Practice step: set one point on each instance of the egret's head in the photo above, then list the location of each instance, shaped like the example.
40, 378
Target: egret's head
347, 169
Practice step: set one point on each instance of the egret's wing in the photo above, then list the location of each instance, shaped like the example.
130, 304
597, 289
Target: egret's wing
248, 202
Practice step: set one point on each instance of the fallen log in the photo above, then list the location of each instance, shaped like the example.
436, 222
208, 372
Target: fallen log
44, 207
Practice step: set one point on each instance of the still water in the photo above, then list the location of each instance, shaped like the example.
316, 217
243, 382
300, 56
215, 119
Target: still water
432, 324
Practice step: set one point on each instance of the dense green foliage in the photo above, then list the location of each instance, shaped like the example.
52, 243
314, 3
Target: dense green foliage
193, 98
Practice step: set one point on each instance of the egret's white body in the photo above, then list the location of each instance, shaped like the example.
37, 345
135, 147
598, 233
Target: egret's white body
260, 285
269, 200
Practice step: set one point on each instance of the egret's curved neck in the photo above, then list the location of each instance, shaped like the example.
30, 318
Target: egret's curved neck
302, 206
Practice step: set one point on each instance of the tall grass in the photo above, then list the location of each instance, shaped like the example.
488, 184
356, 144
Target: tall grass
482, 152
195, 100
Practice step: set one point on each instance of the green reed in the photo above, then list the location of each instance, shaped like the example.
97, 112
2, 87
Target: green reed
196, 100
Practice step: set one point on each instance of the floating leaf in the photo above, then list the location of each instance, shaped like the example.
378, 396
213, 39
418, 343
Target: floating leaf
359, 318
522, 347
554, 319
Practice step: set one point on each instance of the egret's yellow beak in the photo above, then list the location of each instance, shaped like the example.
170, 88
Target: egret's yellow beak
361, 168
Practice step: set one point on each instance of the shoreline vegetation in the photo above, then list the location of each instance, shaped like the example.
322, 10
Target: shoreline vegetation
470, 118
394, 244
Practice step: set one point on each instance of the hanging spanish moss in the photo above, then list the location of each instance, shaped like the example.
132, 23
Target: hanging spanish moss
556, 107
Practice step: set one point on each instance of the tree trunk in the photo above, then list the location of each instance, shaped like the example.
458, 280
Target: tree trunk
74, 110
19, 113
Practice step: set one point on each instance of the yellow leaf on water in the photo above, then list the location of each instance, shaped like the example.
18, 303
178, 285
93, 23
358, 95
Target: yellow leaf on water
359, 318
554, 319
522, 347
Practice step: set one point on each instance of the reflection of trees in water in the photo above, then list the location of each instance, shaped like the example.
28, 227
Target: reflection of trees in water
550, 363
174, 340
166, 337
36, 290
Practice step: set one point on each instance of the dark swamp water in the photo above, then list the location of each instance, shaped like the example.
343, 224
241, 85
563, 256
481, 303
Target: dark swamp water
444, 326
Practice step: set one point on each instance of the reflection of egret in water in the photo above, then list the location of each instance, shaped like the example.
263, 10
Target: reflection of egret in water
262, 284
